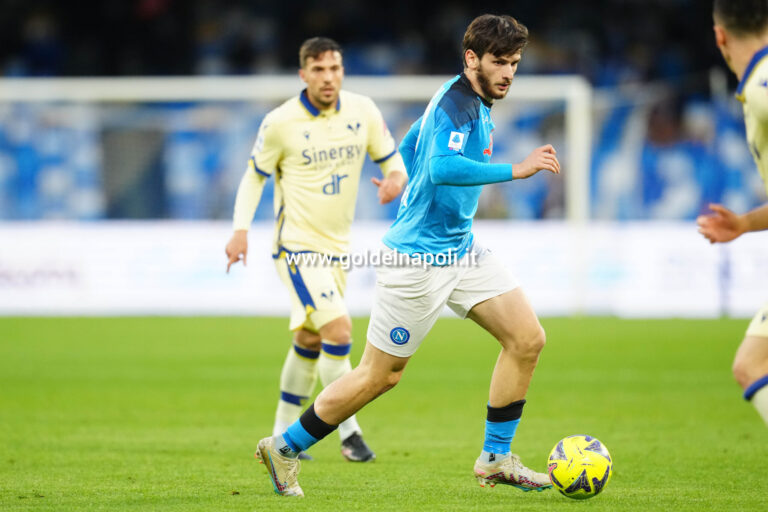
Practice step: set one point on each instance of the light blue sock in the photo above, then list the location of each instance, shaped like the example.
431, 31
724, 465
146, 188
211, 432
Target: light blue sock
498, 437
500, 426
296, 439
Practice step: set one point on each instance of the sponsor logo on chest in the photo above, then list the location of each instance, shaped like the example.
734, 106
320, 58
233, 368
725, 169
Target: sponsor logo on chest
334, 154
332, 144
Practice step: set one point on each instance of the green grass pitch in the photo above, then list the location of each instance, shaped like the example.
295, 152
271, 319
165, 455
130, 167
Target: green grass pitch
164, 414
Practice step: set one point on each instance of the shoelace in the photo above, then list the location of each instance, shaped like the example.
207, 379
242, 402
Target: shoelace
520, 469
293, 473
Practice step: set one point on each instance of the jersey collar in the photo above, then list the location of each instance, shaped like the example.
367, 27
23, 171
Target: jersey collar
464, 81
756, 58
311, 108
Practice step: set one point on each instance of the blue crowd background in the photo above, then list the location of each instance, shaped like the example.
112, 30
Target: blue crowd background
668, 136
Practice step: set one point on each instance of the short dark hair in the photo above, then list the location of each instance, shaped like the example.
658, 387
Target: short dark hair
498, 35
742, 17
315, 46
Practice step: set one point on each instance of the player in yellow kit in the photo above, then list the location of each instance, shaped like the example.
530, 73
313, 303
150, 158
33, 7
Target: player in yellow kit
741, 33
315, 145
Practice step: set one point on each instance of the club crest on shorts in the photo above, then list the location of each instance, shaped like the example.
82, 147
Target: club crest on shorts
399, 335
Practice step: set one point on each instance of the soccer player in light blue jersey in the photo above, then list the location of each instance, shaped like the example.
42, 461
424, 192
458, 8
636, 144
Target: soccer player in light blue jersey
431, 260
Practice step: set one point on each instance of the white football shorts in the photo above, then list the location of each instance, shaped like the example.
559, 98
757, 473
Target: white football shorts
410, 296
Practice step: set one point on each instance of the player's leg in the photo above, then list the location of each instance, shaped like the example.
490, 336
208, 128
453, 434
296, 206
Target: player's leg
326, 285
297, 378
320, 316
511, 320
407, 303
490, 296
334, 363
750, 366
299, 373
376, 373
384, 358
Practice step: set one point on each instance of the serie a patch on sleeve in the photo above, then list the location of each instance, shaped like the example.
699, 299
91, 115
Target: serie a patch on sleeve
456, 141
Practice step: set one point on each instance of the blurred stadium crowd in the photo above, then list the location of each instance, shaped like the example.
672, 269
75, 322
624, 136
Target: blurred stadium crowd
668, 136
608, 41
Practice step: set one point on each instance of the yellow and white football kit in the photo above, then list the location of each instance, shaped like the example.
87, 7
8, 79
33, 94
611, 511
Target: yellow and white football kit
316, 158
753, 94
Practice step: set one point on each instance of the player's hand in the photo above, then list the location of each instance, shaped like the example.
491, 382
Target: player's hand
722, 225
237, 247
391, 186
541, 159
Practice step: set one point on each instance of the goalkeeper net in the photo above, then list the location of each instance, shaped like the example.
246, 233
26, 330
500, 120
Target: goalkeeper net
177, 147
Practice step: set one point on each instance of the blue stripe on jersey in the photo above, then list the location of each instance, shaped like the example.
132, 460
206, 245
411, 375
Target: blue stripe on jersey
292, 399
305, 352
310, 107
281, 221
337, 350
255, 168
756, 58
385, 158
433, 218
299, 286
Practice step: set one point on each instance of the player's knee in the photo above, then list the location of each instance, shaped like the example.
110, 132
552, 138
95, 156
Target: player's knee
536, 341
308, 340
528, 345
339, 331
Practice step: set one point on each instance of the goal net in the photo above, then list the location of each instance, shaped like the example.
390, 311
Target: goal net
176, 148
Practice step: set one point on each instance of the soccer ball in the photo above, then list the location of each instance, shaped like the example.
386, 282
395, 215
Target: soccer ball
580, 467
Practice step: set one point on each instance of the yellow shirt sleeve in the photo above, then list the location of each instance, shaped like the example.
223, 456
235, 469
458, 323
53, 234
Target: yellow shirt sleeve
248, 197
381, 144
268, 149
757, 99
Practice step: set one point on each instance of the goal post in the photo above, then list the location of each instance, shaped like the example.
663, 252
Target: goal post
574, 91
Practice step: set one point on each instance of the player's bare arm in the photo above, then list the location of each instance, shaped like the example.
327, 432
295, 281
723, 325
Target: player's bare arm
757, 219
237, 248
723, 225
543, 158
246, 202
391, 186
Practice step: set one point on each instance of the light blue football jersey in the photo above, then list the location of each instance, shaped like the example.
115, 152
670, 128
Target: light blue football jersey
447, 153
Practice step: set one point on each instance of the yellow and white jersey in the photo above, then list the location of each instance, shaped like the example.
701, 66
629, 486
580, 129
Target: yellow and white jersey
316, 158
753, 93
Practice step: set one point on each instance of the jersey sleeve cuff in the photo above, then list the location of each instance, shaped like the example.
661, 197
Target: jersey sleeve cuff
260, 172
393, 163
